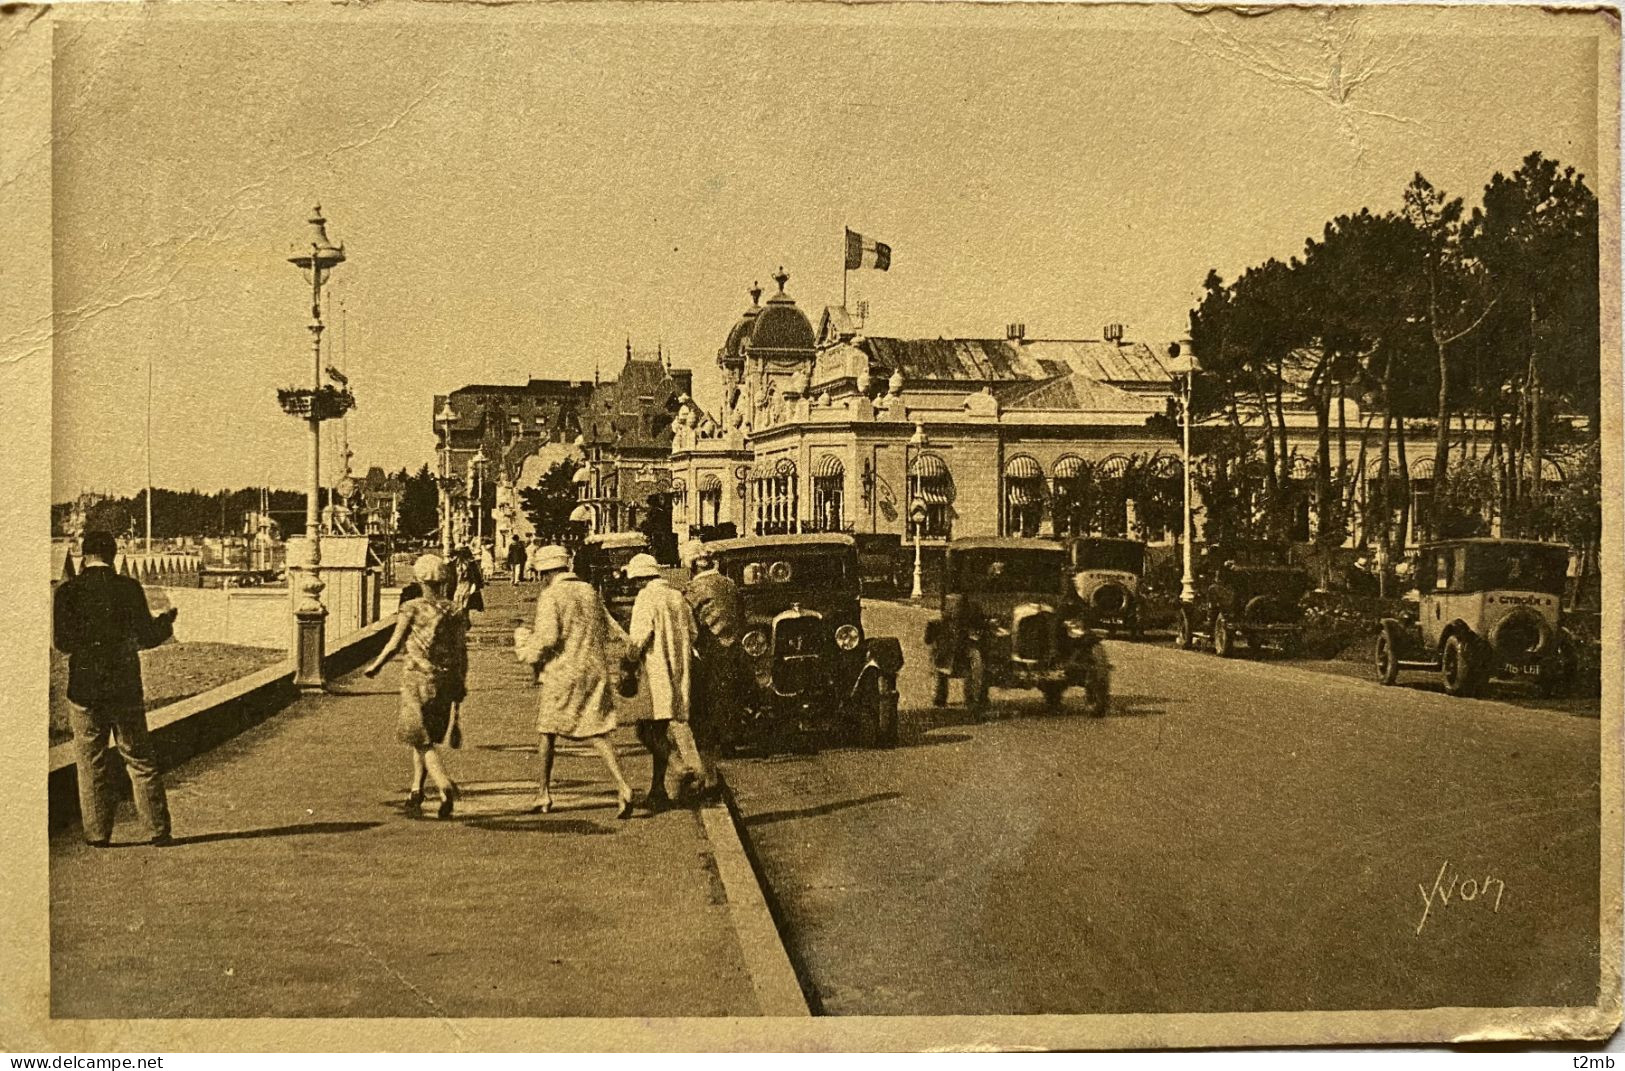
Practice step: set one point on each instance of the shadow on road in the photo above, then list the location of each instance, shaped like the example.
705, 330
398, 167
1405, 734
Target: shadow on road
821, 809
299, 830
538, 823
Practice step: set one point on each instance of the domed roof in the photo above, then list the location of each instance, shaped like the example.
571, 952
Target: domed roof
780, 325
741, 330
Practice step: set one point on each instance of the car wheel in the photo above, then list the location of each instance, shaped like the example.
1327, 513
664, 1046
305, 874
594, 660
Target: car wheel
1054, 694
1458, 668
1224, 641
1185, 637
1387, 657
976, 681
939, 689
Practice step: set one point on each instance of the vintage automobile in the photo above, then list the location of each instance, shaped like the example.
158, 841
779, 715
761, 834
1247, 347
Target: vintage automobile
1011, 618
1486, 608
1106, 575
1247, 593
599, 561
881, 561
817, 674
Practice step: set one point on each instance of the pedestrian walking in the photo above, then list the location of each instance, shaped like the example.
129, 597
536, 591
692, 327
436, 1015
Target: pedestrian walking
101, 622
488, 560
723, 675
571, 646
433, 635
531, 559
517, 555
467, 582
662, 639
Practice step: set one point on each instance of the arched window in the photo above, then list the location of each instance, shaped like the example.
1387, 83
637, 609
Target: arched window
931, 483
710, 486
1112, 495
1024, 495
1069, 507
829, 491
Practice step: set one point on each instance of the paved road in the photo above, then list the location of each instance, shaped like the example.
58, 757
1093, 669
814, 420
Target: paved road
298, 887
1235, 836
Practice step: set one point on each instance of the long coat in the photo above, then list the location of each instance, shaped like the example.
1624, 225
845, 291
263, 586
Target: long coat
572, 642
663, 633
101, 622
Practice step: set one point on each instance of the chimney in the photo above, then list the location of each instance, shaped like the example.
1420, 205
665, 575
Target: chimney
1015, 332
1114, 333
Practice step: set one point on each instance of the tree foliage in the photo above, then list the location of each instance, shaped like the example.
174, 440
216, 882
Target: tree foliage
1427, 316
550, 503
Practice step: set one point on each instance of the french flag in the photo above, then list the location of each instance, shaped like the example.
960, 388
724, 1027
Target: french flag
864, 252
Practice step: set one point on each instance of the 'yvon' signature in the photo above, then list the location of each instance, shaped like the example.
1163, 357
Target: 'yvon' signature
1469, 890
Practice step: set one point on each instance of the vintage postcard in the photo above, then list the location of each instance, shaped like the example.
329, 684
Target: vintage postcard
810, 526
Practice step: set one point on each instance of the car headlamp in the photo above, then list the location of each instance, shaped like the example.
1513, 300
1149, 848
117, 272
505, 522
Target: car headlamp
1076, 629
754, 642
847, 637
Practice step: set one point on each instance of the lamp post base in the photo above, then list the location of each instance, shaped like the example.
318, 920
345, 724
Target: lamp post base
310, 647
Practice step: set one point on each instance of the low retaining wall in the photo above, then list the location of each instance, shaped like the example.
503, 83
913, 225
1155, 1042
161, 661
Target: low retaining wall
193, 726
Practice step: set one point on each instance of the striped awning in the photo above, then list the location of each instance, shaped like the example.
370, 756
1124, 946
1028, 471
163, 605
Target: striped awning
1070, 467
929, 467
1550, 472
762, 470
581, 515
1303, 468
709, 482
1113, 468
1024, 492
828, 467
1422, 469
935, 491
582, 475
1023, 467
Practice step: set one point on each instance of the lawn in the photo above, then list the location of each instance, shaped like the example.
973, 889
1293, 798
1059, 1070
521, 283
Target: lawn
172, 672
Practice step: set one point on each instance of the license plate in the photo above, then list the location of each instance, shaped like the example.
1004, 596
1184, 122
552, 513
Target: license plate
1523, 669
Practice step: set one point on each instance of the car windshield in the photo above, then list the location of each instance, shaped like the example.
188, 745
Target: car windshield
1520, 568
992, 571
1128, 557
775, 568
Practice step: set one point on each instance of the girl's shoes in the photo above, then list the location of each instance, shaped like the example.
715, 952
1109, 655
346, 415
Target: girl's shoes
448, 796
543, 805
626, 805
414, 802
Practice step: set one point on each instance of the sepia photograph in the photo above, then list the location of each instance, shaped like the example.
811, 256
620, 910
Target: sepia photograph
812, 526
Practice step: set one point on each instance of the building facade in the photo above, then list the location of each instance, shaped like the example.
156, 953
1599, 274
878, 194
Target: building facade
830, 428
495, 441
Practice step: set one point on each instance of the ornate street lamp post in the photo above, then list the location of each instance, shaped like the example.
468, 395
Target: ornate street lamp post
1183, 370
477, 463
316, 258
445, 418
916, 509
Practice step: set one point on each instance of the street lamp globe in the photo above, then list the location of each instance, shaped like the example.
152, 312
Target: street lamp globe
317, 255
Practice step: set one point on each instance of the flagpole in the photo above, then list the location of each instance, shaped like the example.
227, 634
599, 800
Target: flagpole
845, 271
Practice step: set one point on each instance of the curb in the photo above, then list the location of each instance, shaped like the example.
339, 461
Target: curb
772, 976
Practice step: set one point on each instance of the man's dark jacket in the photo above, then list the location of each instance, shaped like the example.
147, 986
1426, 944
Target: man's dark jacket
101, 623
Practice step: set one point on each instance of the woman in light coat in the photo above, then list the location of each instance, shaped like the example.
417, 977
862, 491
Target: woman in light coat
571, 645
663, 634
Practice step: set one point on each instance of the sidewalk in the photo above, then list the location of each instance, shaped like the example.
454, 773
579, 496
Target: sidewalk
298, 887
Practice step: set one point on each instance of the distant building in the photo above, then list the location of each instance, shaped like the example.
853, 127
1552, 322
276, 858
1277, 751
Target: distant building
617, 432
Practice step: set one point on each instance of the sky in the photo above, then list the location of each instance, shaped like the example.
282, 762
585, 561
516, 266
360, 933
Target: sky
519, 196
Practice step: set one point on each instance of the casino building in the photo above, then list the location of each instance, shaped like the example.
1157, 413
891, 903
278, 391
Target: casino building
831, 428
